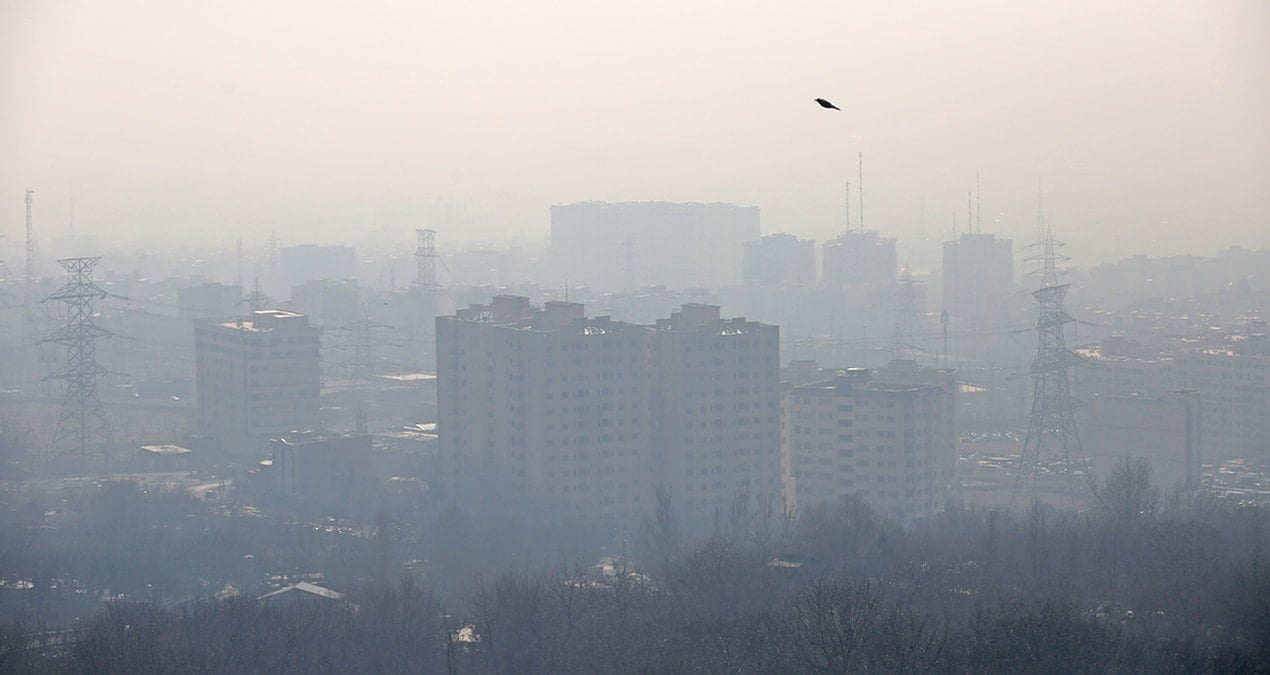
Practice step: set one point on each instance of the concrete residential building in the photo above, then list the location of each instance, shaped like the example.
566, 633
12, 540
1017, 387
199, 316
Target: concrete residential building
1233, 394
628, 245
1165, 430
319, 467
780, 259
892, 444
718, 414
858, 258
256, 377
546, 404
978, 278
588, 416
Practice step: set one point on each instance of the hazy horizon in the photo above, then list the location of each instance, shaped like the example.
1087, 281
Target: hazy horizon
1146, 122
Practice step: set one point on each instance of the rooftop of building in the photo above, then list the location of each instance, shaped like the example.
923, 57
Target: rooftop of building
306, 588
518, 312
263, 320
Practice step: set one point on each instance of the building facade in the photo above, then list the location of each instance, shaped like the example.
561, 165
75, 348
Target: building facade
891, 443
859, 257
978, 278
780, 259
589, 416
256, 377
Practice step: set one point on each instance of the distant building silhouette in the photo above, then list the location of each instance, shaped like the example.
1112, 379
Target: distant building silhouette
978, 279
858, 258
206, 301
610, 246
307, 262
779, 259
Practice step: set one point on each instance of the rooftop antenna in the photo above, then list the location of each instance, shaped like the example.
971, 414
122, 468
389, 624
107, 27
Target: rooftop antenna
848, 204
1040, 213
978, 206
970, 214
255, 299
30, 244
861, 191
238, 261
28, 296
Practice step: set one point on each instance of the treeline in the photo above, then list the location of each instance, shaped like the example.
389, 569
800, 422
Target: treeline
1139, 584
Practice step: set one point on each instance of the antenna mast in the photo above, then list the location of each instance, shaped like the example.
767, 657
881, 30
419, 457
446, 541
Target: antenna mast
978, 206
861, 191
848, 204
970, 214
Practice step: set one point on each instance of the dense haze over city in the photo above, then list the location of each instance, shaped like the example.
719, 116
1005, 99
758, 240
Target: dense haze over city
1145, 121
660, 337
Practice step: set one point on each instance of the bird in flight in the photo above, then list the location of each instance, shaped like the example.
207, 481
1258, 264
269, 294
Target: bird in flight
826, 104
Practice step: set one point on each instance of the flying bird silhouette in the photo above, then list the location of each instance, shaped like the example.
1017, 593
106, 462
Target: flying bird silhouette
826, 104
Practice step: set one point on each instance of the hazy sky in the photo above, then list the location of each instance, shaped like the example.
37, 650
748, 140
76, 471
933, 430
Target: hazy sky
1148, 121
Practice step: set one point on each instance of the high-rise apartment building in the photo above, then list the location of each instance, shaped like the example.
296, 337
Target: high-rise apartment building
256, 377
978, 278
858, 257
780, 259
588, 416
888, 438
628, 245
717, 388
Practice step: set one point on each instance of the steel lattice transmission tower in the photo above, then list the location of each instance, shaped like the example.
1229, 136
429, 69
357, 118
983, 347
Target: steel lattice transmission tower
907, 315
362, 366
82, 415
1052, 438
426, 258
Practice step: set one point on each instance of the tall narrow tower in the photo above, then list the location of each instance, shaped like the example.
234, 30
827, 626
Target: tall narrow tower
30, 242
426, 258
1052, 440
28, 298
907, 315
82, 416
